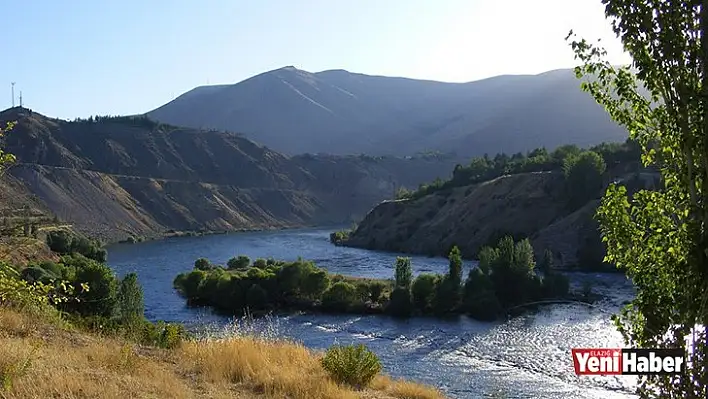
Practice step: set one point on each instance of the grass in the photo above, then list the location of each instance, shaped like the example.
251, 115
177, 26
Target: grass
22, 250
39, 359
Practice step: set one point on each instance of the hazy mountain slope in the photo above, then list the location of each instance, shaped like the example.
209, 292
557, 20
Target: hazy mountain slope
130, 176
339, 112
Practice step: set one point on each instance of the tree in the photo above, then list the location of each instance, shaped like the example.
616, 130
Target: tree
5, 158
240, 262
202, 264
101, 298
315, 283
400, 303
340, 296
423, 291
130, 299
449, 292
546, 264
583, 174
659, 237
455, 265
404, 273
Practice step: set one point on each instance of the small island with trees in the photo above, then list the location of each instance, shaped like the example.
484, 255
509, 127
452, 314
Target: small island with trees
506, 277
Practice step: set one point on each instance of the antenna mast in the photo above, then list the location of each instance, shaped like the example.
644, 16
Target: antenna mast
13, 94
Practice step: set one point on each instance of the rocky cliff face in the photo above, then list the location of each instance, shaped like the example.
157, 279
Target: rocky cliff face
117, 177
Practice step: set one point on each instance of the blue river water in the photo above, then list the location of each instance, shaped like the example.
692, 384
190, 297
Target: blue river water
523, 357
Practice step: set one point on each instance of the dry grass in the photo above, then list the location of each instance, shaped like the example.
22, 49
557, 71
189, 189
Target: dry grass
22, 250
40, 360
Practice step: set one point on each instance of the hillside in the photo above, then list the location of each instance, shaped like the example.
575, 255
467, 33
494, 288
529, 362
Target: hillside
339, 112
468, 216
527, 198
116, 177
93, 366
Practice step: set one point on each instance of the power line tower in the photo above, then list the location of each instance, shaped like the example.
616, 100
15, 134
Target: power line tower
13, 94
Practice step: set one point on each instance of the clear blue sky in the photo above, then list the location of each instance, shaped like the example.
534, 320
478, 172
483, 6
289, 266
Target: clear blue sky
85, 57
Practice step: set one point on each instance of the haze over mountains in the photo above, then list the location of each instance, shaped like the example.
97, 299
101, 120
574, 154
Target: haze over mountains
339, 112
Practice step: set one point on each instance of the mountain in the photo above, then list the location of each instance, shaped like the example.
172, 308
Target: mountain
339, 112
113, 177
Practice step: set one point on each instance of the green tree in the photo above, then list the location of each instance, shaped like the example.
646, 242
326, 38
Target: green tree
480, 301
240, 262
423, 291
449, 293
404, 273
202, 264
130, 299
376, 288
315, 284
455, 265
101, 297
564, 152
659, 237
60, 241
583, 174
340, 296
546, 264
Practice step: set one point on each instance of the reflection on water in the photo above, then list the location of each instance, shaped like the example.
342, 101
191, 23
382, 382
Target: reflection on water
524, 357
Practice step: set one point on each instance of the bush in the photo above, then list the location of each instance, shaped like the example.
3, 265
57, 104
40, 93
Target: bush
65, 243
257, 297
376, 288
352, 365
339, 237
101, 297
130, 299
423, 291
340, 296
400, 304
240, 262
202, 264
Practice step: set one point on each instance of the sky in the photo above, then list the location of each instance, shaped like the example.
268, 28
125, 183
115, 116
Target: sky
77, 58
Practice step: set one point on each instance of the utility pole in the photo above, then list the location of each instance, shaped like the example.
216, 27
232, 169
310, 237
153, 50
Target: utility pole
13, 94
20, 98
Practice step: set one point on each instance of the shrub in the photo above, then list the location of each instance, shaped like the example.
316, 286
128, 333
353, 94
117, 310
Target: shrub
376, 288
400, 303
240, 262
339, 237
352, 365
257, 297
423, 291
202, 264
65, 242
101, 297
260, 263
130, 299
315, 284
340, 296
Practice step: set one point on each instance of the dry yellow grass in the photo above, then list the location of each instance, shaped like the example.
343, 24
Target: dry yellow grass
41, 360
22, 250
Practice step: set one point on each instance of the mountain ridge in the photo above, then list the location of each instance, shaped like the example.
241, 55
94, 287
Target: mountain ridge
115, 177
340, 112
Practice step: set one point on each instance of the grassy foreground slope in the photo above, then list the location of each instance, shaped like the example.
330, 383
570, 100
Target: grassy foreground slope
42, 359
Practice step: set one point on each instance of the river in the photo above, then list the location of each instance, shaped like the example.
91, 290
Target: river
524, 357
